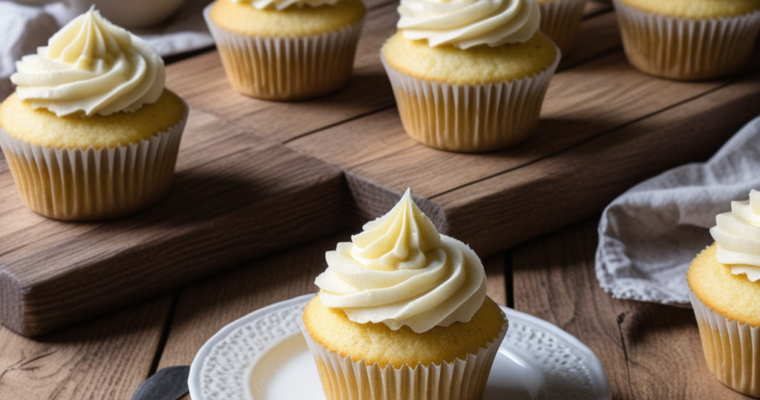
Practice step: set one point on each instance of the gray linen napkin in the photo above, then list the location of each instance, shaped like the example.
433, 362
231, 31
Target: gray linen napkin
649, 235
24, 28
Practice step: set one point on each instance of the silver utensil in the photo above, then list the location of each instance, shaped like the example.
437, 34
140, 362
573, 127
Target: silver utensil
167, 384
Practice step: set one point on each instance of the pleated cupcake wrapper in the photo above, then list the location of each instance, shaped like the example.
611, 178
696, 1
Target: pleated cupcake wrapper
687, 49
283, 68
93, 184
470, 118
732, 350
345, 379
560, 20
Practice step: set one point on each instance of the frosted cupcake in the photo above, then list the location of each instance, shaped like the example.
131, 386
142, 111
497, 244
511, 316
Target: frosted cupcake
286, 49
469, 75
689, 39
560, 20
402, 303
725, 292
91, 132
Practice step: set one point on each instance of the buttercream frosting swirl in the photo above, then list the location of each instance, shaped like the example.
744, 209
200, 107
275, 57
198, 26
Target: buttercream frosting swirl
283, 4
468, 23
91, 66
401, 271
737, 234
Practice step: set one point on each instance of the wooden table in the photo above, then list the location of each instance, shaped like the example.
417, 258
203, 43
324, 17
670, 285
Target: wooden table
647, 350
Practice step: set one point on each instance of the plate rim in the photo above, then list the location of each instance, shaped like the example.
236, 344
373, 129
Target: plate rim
194, 379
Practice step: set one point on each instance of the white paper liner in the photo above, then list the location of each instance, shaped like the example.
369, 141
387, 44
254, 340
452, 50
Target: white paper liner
732, 350
560, 20
343, 379
93, 184
470, 118
687, 49
281, 68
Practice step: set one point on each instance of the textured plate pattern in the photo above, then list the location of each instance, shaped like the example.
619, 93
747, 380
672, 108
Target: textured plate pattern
570, 369
567, 376
225, 372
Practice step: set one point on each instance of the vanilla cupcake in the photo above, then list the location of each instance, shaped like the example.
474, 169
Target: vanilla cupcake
689, 39
560, 20
402, 303
91, 133
286, 49
725, 292
469, 75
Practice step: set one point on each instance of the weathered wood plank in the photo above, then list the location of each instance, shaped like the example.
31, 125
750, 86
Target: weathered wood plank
648, 351
105, 359
509, 208
582, 103
235, 196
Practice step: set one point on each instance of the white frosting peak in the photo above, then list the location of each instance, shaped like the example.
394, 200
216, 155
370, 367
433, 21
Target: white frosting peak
283, 4
91, 66
468, 23
738, 236
401, 271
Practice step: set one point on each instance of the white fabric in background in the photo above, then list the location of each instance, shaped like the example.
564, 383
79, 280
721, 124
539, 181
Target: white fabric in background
23, 29
649, 235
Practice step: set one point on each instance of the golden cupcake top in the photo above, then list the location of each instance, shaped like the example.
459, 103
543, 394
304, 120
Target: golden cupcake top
696, 9
401, 272
376, 343
737, 235
292, 21
469, 23
41, 127
732, 296
283, 4
474, 66
89, 67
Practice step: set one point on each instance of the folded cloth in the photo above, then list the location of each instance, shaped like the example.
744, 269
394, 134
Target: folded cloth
24, 28
649, 235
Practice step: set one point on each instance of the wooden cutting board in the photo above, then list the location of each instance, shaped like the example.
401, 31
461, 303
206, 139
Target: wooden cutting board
604, 127
235, 196
257, 176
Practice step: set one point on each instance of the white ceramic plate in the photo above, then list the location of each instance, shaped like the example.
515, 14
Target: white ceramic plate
263, 356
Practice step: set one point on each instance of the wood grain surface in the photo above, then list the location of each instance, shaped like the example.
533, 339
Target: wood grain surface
648, 351
106, 358
256, 176
596, 104
235, 196
582, 180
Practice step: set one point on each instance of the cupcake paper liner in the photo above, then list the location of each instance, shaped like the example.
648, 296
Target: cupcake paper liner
470, 118
285, 68
93, 184
687, 49
732, 350
343, 379
560, 20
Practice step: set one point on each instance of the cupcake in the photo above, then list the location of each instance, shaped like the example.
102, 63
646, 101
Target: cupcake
469, 75
286, 49
560, 20
725, 292
91, 133
689, 39
399, 304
